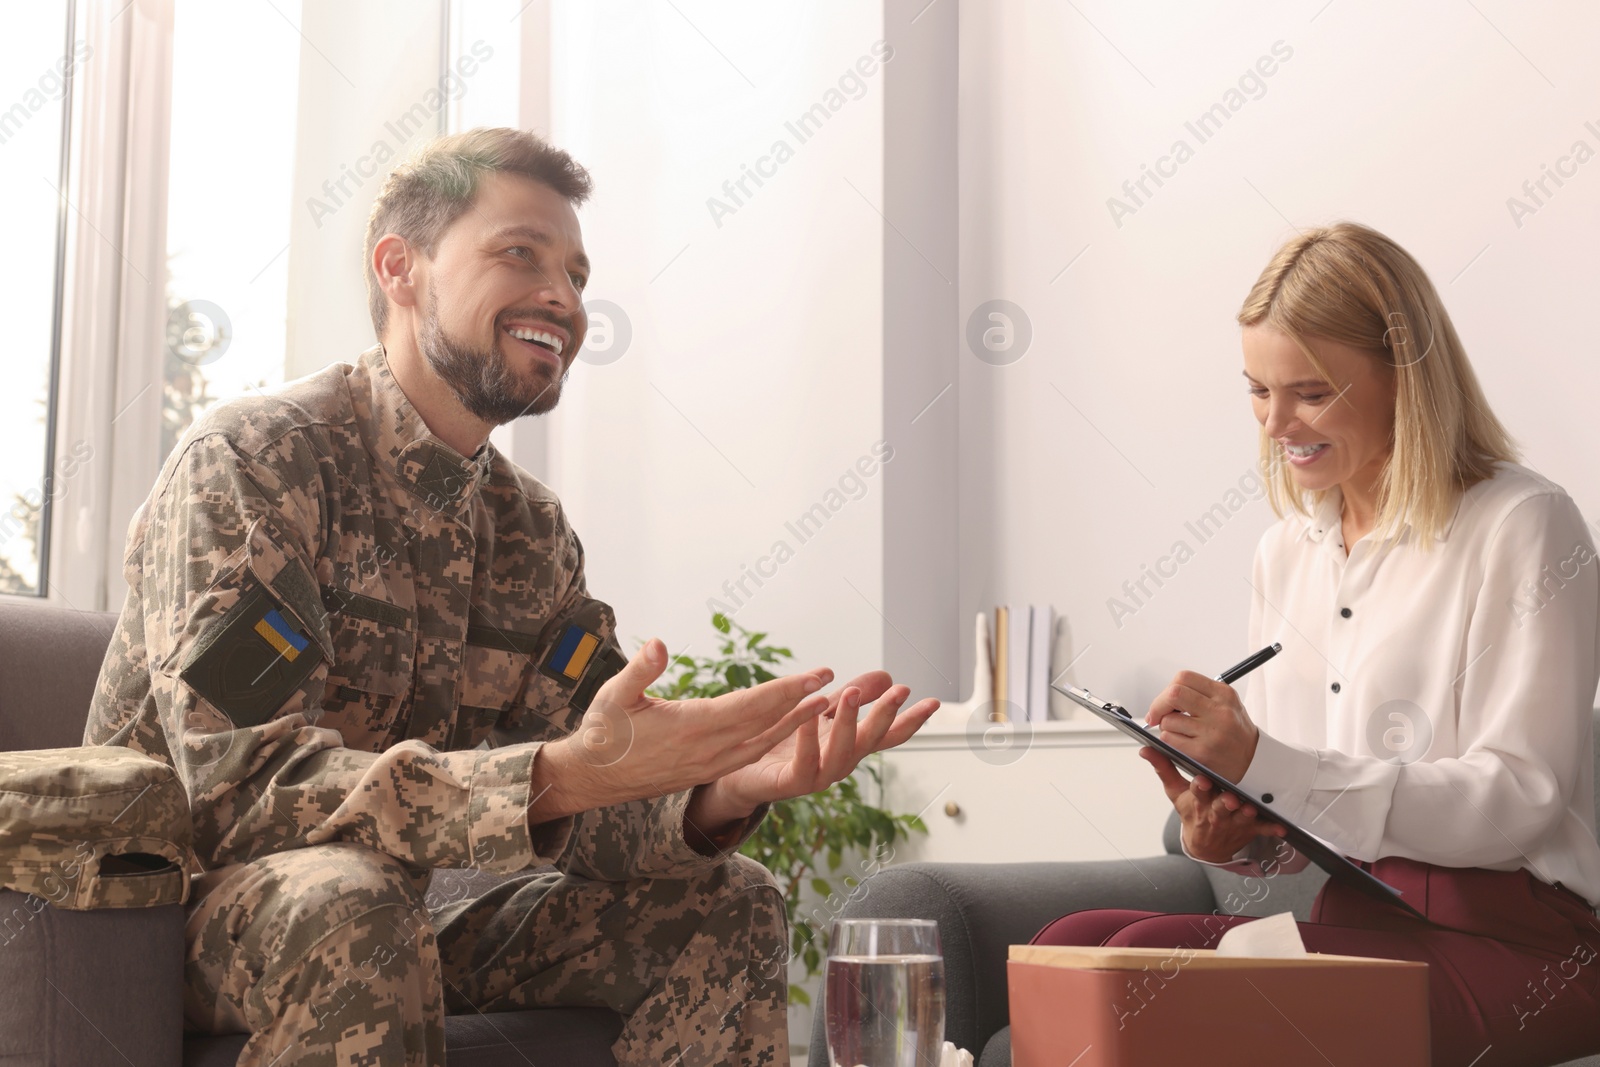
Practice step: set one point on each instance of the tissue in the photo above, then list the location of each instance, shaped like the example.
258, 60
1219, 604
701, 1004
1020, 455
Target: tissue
1276, 937
950, 1056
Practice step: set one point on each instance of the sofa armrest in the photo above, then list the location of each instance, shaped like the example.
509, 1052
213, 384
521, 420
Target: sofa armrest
90, 987
984, 908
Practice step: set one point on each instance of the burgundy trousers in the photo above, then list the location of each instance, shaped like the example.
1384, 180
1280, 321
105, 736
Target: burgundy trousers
1513, 962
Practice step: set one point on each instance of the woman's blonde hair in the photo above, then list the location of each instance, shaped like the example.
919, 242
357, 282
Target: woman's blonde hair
1351, 284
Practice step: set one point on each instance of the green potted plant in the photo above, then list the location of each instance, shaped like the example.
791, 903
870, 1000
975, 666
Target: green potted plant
806, 841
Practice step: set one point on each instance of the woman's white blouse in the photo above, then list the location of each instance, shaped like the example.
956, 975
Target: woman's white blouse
1434, 704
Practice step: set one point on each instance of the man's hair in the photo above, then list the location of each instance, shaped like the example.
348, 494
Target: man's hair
425, 194
1351, 284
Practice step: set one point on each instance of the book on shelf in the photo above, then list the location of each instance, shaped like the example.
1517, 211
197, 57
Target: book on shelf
1042, 625
1020, 637
999, 655
1019, 657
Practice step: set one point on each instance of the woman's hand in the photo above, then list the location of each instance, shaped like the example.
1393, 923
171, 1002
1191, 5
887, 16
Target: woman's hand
1216, 824
1204, 719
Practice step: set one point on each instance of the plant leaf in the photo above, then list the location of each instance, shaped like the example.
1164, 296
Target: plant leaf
804, 837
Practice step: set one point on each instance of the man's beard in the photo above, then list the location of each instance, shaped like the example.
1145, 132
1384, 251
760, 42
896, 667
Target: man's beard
481, 377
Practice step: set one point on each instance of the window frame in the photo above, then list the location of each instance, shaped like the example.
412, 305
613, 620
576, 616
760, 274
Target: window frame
110, 314
110, 307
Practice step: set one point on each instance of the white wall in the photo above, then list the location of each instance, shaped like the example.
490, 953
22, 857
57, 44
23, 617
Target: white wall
755, 377
1419, 119
752, 382
751, 385
369, 96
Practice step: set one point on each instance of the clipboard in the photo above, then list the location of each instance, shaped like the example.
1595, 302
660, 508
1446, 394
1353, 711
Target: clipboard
1337, 866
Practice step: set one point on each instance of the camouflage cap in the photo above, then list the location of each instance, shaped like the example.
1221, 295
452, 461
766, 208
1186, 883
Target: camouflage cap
94, 827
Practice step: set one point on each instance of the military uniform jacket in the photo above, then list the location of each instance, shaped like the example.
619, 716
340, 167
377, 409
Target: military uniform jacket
340, 629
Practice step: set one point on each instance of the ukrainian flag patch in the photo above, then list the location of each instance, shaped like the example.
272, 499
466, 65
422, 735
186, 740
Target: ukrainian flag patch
277, 632
576, 654
249, 661
571, 654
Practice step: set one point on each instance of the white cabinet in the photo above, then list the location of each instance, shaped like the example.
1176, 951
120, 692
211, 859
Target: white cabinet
1058, 790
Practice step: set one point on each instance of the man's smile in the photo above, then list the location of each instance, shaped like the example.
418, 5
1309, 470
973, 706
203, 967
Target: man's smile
546, 340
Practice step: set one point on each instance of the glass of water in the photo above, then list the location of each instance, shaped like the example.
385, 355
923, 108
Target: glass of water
884, 993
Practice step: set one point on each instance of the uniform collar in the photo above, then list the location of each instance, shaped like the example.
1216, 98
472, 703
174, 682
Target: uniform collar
443, 478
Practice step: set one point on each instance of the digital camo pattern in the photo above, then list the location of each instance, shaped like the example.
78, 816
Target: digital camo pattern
323, 955
428, 582
427, 586
327, 955
67, 814
698, 965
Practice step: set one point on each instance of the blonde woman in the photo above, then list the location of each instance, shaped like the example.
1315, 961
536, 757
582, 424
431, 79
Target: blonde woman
1430, 713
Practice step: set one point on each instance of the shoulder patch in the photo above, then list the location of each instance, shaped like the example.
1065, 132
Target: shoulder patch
579, 658
258, 658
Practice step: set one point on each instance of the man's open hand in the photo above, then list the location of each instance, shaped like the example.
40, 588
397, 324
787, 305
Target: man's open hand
773, 741
821, 751
630, 745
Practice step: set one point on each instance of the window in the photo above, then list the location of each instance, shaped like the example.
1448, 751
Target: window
152, 202
36, 57
229, 189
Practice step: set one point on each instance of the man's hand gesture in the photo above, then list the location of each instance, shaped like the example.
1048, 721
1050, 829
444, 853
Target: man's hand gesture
783, 738
822, 751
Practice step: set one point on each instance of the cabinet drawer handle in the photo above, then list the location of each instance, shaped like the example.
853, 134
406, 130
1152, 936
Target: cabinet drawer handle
952, 809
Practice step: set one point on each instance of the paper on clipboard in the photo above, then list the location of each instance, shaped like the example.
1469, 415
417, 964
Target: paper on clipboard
1317, 850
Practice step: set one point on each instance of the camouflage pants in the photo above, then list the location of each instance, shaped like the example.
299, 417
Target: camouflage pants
328, 957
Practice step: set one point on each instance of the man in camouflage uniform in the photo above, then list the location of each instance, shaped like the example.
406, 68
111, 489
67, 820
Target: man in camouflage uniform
364, 640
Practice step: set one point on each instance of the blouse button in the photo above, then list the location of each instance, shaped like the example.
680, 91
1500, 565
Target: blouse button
1266, 798
1344, 613
1335, 687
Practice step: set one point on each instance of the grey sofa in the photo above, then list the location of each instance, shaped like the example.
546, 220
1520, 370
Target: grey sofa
104, 987
983, 908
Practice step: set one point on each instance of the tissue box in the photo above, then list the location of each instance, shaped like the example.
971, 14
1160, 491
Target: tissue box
1114, 1006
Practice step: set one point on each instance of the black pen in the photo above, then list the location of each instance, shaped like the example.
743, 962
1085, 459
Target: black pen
1249, 663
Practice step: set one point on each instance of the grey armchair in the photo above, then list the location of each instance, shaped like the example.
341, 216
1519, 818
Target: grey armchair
86, 988
984, 908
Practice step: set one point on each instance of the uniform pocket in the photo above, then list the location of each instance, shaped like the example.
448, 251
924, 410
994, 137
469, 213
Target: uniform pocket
371, 656
493, 678
493, 681
368, 695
